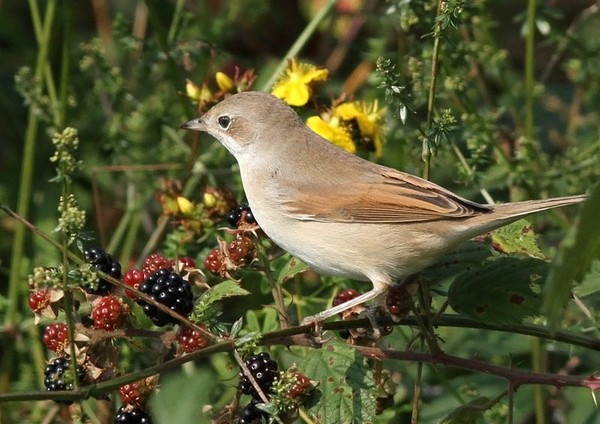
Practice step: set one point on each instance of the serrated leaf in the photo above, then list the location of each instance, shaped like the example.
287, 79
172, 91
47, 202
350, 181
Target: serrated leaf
469, 413
228, 288
289, 269
579, 249
517, 237
346, 387
503, 291
468, 255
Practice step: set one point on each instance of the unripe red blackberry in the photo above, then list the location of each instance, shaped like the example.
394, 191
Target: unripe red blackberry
39, 300
55, 337
155, 262
105, 263
108, 313
191, 340
136, 393
344, 296
133, 278
300, 387
184, 262
399, 300
214, 262
241, 250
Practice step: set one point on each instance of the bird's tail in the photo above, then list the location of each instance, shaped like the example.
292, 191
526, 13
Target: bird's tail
506, 213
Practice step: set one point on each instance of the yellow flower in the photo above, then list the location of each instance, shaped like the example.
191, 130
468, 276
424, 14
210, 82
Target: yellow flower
294, 87
186, 207
224, 82
199, 94
333, 131
209, 200
368, 117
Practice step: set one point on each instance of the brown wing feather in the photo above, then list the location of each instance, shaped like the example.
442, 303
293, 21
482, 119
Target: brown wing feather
390, 197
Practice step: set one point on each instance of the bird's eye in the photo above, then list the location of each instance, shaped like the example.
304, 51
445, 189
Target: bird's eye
224, 121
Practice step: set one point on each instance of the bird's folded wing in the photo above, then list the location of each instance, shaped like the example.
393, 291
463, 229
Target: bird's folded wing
389, 197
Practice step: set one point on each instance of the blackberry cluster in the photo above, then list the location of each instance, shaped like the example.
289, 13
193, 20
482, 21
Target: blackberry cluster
264, 370
251, 414
241, 214
105, 263
166, 287
128, 415
57, 376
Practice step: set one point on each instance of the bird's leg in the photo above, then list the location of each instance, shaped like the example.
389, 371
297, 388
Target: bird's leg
359, 300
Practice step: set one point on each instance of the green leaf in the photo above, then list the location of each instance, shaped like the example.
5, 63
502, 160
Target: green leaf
468, 255
517, 237
591, 282
579, 249
503, 291
346, 391
289, 268
469, 413
172, 405
229, 288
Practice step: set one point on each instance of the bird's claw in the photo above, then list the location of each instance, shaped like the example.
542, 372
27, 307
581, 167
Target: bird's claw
315, 337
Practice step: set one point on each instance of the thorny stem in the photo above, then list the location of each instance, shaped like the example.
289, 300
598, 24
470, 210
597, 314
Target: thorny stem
289, 337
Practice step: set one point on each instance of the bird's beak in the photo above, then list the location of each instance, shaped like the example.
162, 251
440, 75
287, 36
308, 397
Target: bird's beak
194, 125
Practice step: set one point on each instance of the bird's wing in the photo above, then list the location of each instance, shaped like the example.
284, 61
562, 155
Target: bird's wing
388, 196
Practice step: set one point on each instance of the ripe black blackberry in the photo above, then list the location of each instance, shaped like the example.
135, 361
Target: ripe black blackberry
132, 415
250, 414
241, 213
264, 371
58, 376
166, 287
105, 263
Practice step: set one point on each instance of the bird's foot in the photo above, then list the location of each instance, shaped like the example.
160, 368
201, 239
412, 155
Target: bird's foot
315, 337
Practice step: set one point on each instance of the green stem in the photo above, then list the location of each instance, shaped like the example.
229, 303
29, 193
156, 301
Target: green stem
27, 170
529, 72
67, 15
284, 320
432, 84
300, 42
24, 194
174, 28
537, 361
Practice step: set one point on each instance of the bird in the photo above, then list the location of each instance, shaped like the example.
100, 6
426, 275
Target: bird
339, 213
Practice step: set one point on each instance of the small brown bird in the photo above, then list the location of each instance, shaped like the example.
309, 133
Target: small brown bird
337, 212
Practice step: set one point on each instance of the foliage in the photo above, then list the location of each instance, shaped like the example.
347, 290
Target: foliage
98, 160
